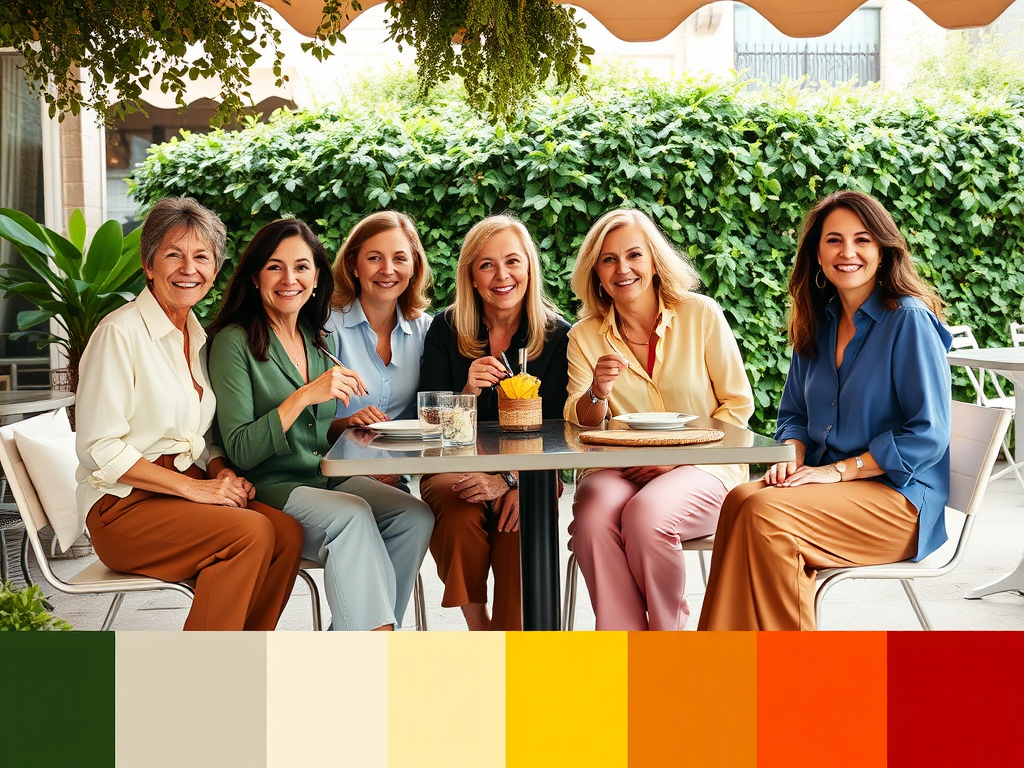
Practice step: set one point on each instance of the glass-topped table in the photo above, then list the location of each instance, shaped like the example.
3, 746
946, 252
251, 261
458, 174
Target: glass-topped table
538, 456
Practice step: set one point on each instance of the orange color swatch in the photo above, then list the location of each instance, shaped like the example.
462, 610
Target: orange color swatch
821, 700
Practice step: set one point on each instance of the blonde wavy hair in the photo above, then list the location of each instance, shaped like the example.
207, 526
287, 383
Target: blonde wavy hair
414, 299
674, 275
467, 310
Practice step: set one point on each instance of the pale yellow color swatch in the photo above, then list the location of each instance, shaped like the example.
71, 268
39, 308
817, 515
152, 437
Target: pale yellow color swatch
196, 699
567, 699
327, 699
446, 698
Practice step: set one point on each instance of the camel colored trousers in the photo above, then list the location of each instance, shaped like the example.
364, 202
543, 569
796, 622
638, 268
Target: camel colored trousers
465, 543
244, 560
771, 541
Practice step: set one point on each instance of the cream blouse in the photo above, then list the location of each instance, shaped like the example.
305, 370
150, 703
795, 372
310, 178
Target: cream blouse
697, 369
136, 400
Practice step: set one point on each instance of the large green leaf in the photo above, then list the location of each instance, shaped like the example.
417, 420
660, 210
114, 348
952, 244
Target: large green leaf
126, 267
104, 252
76, 229
31, 317
18, 235
66, 257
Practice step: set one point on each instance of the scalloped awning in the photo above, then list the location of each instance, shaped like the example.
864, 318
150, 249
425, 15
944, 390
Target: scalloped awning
642, 20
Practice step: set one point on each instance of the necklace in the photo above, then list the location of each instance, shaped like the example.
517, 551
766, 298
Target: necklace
638, 343
294, 350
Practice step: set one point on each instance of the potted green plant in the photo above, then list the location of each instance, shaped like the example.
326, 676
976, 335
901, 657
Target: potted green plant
27, 610
68, 282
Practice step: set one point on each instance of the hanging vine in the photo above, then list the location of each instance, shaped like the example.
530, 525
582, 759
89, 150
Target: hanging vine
504, 50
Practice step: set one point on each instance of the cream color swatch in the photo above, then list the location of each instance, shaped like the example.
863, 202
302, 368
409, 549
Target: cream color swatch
446, 697
327, 699
196, 699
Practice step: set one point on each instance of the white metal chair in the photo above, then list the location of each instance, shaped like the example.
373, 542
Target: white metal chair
974, 446
1017, 334
418, 601
572, 572
95, 578
984, 382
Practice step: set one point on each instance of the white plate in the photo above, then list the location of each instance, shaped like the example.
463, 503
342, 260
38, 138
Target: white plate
402, 428
656, 420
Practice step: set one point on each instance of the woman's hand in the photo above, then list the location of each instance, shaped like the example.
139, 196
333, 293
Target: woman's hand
229, 474
643, 475
364, 417
478, 487
809, 475
336, 383
606, 371
225, 491
484, 372
778, 474
508, 512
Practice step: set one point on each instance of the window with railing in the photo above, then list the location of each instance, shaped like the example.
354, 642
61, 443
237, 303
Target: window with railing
850, 52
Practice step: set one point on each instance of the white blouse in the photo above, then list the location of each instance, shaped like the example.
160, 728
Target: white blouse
136, 400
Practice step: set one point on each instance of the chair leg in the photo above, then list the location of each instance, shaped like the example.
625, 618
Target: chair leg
419, 604
569, 603
24, 560
703, 567
314, 599
915, 602
115, 606
3, 557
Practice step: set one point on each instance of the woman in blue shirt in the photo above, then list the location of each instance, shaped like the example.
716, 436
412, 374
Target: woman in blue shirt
377, 322
866, 404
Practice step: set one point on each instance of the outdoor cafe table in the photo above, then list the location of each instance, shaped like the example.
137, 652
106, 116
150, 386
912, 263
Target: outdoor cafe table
1008, 362
25, 401
538, 456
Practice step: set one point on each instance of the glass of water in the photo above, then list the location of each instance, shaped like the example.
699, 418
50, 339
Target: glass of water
458, 420
428, 409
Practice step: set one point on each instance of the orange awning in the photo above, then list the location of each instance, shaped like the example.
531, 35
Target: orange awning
642, 20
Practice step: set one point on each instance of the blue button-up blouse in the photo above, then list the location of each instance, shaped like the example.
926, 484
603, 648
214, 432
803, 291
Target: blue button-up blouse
891, 396
392, 387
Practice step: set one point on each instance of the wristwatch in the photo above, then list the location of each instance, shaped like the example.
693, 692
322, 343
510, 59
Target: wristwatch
510, 480
840, 466
594, 399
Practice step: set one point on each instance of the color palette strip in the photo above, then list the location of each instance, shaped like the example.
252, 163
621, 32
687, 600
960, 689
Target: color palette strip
558, 700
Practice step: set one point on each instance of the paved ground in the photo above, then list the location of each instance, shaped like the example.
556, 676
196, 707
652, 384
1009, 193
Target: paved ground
996, 547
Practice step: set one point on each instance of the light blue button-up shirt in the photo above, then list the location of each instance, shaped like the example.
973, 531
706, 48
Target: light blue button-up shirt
392, 387
891, 396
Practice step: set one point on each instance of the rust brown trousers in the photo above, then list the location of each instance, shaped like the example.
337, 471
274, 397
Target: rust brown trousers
244, 560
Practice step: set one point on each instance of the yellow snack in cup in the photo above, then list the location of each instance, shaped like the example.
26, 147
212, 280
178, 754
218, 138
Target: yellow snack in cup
522, 386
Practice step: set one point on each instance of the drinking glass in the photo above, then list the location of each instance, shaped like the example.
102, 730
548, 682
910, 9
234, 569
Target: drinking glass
428, 409
458, 420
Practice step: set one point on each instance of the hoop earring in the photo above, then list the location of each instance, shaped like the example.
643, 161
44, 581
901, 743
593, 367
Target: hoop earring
821, 285
600, 291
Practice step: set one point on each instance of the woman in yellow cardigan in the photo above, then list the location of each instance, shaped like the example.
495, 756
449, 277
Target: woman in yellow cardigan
646, 342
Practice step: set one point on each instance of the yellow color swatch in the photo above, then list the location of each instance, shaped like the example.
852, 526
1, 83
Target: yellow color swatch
327, 699
193, 699
567, 699
446, 699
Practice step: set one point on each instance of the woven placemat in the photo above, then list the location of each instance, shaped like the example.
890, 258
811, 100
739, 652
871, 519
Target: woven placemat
650, 437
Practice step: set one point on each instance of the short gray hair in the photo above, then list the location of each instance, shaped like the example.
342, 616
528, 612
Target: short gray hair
173, 213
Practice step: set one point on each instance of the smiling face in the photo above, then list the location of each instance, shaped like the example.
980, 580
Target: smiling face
501, 272
625, 266
849, 255
384, 266
287, 280
183, 271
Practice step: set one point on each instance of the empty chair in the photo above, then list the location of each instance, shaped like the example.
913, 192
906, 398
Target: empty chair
988, 392
974, 446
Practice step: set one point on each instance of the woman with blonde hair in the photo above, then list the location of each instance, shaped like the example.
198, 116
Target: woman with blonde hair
646, 342
866, 404
377, 324
500, 307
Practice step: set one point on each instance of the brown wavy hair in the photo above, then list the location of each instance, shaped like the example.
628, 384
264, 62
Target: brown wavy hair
897, 275
414, 299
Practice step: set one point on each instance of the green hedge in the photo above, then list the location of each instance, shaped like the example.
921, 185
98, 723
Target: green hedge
728, 173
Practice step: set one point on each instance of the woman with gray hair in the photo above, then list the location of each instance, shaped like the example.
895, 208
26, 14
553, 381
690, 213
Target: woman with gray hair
159, 497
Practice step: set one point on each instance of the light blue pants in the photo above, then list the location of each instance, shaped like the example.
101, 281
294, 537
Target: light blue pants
371, 539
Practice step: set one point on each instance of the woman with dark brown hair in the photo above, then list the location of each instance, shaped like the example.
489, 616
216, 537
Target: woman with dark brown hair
866, 404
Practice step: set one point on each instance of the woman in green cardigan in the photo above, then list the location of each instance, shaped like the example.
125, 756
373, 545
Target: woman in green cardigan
277, 391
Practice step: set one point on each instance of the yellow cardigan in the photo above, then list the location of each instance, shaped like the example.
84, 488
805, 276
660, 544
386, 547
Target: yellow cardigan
697, 369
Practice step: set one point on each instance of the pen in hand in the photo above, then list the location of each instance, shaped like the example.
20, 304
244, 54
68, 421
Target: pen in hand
336, 361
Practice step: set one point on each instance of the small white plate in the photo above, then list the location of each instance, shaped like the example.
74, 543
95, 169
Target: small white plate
656, 420
402, 428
